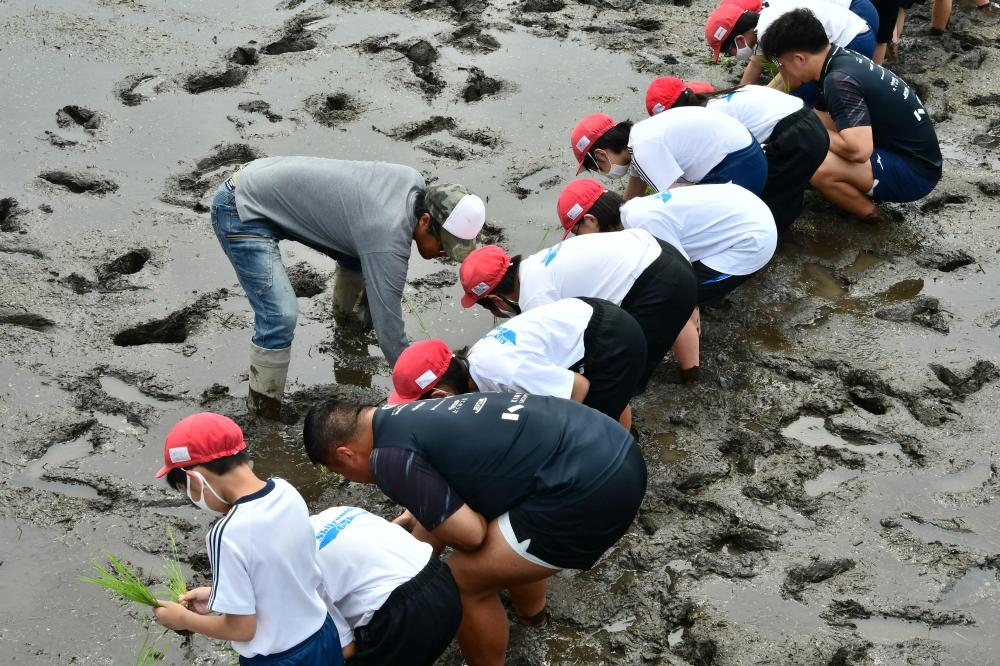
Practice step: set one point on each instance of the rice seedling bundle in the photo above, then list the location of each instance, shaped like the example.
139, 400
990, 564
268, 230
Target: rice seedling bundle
123, 581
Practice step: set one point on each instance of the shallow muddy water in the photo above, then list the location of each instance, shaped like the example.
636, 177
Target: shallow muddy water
828, 494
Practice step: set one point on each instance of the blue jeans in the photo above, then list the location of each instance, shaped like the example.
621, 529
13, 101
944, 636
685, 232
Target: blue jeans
252, 248
866, 10
747, 167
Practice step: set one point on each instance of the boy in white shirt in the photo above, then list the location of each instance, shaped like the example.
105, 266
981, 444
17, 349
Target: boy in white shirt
726, 232
649, 279
583, 349
392, 599
262, 553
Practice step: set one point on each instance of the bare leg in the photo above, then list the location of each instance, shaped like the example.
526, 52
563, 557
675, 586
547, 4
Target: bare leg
900, 23
686, 346
529, 599
879, 56
940, 14
626, 418
480, 575
846, 184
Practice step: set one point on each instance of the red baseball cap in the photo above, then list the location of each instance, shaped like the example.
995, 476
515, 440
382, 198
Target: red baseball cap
720, 24
200, 438
575, 200
418, 369
663, 92
586, 132
749, 5
481, 271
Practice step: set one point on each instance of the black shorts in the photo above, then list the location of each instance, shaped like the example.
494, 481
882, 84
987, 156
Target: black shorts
796, 148
661, 301
614, 357
577, 533
713, 285
888, 12
415, 624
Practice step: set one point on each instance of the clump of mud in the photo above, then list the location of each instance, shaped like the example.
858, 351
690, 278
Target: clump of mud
206, 80
307, 281
247, 56
294, 37
421, 128
542, 5
79, 182
333, 109
71, 115
478, 86
261, 107
10, 212
470, 38
188, 189
420, 53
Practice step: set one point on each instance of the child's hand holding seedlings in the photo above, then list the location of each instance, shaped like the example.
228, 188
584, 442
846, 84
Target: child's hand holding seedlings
197, 600
171, 615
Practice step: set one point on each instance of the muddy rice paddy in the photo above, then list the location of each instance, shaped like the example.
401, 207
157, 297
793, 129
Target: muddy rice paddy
828, 495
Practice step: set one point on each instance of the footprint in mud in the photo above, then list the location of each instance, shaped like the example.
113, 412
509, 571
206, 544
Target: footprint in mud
470, 38
110, 274
946, 261
35, 322
189, 188
534, 180
966, 382
79, 182
542, 5
333, 109
173, 328
135, 89
421, 128
73, 115
261, 107
307, 281
205, 80
10, 212
58, 456
294, 36
798, 578
244, 55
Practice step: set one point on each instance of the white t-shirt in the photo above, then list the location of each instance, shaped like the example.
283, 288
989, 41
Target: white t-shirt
363, 558
726, 227
531, 353
597, 265
758, 108
841, 24
683, 142
263, 557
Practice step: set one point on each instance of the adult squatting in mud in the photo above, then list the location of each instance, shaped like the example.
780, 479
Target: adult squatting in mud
516, 453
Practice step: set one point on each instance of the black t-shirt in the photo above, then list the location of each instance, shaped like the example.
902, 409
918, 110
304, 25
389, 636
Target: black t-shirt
492, 451
857, 92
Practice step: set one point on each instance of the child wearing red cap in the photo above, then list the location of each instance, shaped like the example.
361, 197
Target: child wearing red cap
583, 349
727, 234
793, 137
690, 145
265, 577
647, 278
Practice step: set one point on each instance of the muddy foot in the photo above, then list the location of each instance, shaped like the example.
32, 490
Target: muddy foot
79, 182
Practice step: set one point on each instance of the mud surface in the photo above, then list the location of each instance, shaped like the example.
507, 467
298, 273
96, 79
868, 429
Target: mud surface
828, 494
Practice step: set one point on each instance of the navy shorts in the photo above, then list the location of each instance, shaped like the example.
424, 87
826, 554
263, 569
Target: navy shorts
713, 285
896, 180
320, 649
866, 10
863, 43
746, 167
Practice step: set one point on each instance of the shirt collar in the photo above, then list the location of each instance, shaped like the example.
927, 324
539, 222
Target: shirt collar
268, 487
834, 50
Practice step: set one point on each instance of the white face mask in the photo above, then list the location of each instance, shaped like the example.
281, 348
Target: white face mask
745, 52
200, 502
617, 171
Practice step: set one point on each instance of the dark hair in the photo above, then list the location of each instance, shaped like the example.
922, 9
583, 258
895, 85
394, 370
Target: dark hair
456, 376
615, 140
691, 98
420, 207
746, 21
176, 477
797, 30
607, 211
506, 283
329, 424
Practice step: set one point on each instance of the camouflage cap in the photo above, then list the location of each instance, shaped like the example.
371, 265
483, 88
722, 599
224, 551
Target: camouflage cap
461, 215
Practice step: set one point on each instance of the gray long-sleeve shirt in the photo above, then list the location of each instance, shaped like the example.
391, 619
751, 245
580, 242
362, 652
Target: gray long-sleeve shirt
362, 210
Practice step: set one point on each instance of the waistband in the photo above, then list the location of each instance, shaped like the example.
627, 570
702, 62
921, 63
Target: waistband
230, 183
278, 657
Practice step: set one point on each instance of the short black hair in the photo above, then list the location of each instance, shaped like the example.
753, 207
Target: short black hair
456, 376
691, 98
506, 283
615, 140
797, 30
607, 210
420, 207
177, 478
329, 424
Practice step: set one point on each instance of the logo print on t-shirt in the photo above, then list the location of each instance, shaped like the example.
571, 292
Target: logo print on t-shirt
551, 254
512, 413
664, 197
503, 335
337, 525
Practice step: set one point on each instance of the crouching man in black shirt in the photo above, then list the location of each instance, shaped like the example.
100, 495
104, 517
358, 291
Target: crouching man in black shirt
882, 142
519, 485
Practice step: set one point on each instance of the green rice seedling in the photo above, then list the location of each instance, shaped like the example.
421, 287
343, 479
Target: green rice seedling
123, 581
151, 652
176, 584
